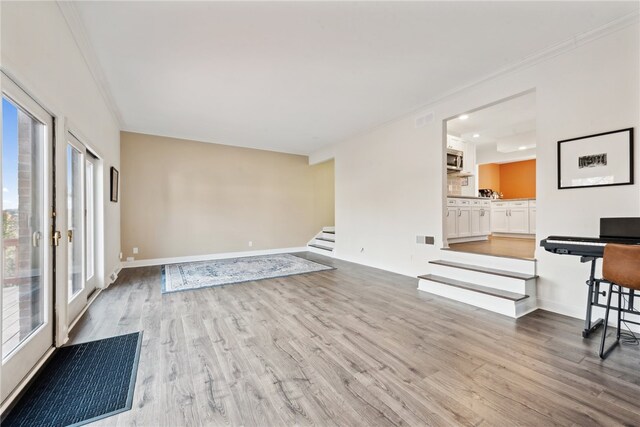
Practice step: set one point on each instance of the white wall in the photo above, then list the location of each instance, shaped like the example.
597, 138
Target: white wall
39, 52
389, 181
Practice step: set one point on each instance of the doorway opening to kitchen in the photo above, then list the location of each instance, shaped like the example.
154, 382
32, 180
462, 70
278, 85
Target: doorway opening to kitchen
491, 179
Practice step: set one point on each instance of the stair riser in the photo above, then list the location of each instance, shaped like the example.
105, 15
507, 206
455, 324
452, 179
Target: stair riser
519, 286
327, 236
526, 306
511, 264
319, 251
325, 243
487, 302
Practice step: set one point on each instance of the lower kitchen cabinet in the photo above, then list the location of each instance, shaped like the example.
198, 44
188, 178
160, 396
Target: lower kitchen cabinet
467, 218
512, 217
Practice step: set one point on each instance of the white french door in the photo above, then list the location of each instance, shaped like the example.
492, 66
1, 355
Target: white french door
81, 225
27, 252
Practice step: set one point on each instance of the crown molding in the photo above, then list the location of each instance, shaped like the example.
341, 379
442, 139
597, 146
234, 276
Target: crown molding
79, 34
528, 61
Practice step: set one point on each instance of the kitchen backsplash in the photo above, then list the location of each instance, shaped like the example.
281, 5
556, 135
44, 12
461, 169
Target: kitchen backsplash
454, 185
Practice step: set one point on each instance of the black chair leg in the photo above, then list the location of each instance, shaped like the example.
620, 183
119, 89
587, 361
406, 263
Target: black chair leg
619, 313
603, 353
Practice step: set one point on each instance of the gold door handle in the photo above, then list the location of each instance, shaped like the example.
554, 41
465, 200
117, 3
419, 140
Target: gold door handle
56, 238
70, 235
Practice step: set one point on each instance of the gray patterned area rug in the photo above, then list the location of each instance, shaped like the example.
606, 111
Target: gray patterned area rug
205, 274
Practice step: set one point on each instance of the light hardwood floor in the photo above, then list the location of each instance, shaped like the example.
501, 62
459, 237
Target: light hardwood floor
354, 346
500, 246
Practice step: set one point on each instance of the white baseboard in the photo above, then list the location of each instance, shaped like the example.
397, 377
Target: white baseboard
515, 235
576, 311
372, 265
116, 272
208, 257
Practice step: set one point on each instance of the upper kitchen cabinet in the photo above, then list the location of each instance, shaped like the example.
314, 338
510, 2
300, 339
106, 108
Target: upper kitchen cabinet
455, 143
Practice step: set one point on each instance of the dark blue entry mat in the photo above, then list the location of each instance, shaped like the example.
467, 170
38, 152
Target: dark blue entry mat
80, 384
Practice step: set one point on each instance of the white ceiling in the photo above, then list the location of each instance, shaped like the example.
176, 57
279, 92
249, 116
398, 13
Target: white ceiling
294, 76
505, 127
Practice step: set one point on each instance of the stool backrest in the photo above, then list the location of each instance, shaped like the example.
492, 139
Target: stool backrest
621, 265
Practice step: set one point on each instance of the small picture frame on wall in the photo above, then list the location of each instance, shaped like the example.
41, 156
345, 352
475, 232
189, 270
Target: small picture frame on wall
114, 184
598, 160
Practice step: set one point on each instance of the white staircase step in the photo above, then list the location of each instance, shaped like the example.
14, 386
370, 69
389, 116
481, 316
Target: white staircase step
504, 280
487, 270
327, 239
515, 265
324, 242
499, 301
321, 247
330, 229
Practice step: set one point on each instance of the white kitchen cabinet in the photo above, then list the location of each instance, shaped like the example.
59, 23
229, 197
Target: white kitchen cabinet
467, 218
464, 221
499, 217
480, 218
532, 220
455, 143
475, 220
519, 220
511, 217
452, 221
485, 221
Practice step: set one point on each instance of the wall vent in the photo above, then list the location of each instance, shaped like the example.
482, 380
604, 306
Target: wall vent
423, 119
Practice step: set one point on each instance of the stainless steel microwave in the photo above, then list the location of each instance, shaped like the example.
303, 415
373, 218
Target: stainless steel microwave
454, 160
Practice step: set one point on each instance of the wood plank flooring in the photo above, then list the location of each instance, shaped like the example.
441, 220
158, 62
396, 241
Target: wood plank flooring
354, 346
500, 246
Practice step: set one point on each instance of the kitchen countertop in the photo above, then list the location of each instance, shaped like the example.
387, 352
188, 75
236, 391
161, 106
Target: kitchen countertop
467, 197
451, 196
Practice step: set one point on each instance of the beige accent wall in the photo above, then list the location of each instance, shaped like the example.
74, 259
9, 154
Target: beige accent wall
324, 192
183, 198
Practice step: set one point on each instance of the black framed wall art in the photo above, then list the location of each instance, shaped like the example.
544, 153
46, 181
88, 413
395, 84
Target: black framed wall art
597, 160
114, 184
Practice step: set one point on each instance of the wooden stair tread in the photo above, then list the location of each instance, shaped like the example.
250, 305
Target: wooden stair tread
325, 248
512, 296
325, 239
494, 271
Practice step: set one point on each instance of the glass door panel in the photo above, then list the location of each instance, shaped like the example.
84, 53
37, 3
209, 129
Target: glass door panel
82, 200
23, 296
27, 283
75, 220
90, 218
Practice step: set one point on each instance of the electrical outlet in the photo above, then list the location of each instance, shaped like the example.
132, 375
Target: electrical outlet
135, 250
250, 243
